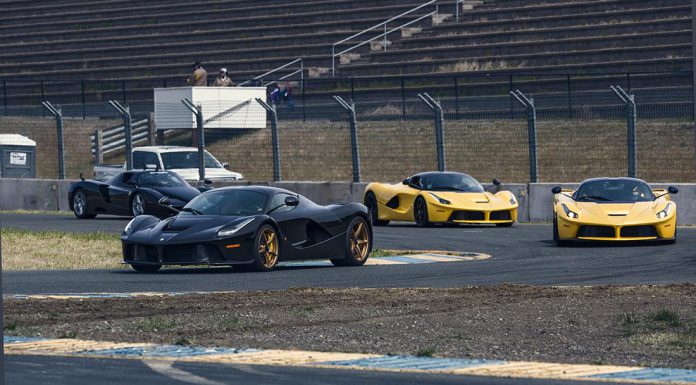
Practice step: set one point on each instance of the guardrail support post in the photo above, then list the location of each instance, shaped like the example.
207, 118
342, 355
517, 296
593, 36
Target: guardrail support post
528, 103
82, 91
58, 113
200, 135
127, 130
629, 101
275, 142
354, 147
439, 115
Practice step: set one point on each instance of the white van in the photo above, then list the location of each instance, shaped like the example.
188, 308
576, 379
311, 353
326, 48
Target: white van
179, 159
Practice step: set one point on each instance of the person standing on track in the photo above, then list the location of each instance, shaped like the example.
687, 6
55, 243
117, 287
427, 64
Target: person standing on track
199, 78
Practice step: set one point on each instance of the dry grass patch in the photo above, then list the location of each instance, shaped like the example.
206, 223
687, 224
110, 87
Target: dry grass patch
46, 250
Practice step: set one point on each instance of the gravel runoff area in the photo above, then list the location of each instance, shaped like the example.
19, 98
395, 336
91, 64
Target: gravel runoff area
636, 325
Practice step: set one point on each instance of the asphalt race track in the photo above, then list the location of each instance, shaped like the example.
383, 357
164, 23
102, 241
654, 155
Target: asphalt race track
523, 254
88, 371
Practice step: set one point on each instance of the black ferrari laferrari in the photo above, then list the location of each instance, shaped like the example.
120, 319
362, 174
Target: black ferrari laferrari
250, 225
130, 193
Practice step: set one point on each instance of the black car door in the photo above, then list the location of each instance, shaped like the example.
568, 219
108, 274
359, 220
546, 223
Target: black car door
120, 192
305, 224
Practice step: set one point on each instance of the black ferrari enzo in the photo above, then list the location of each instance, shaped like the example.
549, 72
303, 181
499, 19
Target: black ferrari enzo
130, 193
250, 225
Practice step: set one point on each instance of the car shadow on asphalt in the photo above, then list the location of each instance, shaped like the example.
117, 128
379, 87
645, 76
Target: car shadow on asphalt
216, 270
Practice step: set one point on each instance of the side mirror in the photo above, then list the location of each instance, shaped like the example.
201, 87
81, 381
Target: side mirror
226, 166
207, 182
406, 181
164, 201
672, 190
556, 190
496, 181
292, 201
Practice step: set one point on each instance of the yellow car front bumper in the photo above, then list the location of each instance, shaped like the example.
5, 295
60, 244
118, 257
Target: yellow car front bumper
444, 214
569, 229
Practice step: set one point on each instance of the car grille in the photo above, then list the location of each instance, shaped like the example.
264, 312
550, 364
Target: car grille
178, 253
501, 216
638, 231
467, 216
597, 232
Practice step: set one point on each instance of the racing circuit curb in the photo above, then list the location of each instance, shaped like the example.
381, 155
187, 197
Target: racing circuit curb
354, 361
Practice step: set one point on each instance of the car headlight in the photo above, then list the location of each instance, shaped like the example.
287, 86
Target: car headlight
665, 212
231, 230
569, 212
513, 201
129, 228
443, 201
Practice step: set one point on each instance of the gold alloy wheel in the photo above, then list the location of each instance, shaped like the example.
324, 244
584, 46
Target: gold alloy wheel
268, 248
359, 241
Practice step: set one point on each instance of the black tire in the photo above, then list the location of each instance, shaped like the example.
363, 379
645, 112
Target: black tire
420, 213
504, 224
137, 204
267, 249
371, 203
559, 242
358, 244
147, 269
79, 203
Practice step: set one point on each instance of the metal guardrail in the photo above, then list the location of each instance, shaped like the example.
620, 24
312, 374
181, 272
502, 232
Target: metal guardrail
114, 138
383, 35
286, 65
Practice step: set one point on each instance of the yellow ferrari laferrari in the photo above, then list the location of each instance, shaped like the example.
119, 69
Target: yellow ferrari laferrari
614, 209
439, 197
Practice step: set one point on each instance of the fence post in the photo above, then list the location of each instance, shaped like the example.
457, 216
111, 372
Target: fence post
354, 147
439, 115
275, 142
151, 130
403, 98
58, 113
124, 111
123, 90
82, 91
528, 103
43, 97
456, 97
570, 100
198, 113
4, 95
98, 146
629, 101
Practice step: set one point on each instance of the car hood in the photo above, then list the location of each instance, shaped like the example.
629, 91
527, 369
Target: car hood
181, 193
210, 173
473, 200
618, 213
195, 223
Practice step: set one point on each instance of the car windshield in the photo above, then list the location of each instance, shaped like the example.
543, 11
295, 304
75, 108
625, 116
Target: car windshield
614, 191
160, 179
187, 159
450, 182
227, 202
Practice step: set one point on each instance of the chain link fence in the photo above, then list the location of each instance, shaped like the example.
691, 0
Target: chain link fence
581, 131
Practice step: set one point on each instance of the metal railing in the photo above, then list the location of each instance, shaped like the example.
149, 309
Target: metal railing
284, 66
383, 25
114, 139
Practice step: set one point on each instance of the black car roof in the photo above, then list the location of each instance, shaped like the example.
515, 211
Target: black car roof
608, 179
262, 189
430, 173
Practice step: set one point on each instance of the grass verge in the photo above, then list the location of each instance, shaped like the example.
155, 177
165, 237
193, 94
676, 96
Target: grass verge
52, 250
48, 250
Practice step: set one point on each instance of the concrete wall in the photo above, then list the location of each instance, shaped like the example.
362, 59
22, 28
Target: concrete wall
535, 199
